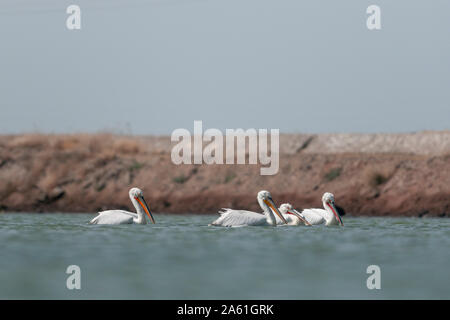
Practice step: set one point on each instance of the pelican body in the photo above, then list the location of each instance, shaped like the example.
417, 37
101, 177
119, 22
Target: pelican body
292, 216
328, 216
239, 218
126, 217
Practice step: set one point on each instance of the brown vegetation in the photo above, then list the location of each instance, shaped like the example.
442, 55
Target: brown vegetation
87, 173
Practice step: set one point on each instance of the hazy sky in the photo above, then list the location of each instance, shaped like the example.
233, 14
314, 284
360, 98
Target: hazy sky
151, 66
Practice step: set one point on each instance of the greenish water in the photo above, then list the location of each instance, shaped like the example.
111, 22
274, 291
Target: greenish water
182, 258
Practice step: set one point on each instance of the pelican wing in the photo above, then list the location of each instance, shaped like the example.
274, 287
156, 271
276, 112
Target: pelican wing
314, 216
114, 217
287, 217
291, 220
235, 218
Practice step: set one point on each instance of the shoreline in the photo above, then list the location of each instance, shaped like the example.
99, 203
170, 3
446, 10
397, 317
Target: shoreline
213, 214
369, 174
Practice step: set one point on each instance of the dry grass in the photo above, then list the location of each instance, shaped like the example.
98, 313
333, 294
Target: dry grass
6, 188
12, 180
88, 143
332, 174
52, 176
180, 179
67, 143
29, 141
97, 143
57, 158
127, 146
376, 177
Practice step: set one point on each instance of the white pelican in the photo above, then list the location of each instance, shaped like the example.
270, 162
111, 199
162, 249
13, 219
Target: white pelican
126, 217
236, 218
292, 216
329, 216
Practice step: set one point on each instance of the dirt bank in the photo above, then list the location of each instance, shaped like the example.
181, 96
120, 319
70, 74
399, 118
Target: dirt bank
391, 174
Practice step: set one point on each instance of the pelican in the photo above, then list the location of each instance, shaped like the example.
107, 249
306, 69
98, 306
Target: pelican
292, 216
126, 217
328, 216
237, 218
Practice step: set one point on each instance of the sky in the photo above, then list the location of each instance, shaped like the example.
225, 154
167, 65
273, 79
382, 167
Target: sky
152, 66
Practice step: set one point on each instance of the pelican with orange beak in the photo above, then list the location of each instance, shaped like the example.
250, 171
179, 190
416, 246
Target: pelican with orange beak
126, 217
240, 218
292, 216
328, 216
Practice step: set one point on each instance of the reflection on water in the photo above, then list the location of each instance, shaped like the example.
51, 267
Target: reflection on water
182, 258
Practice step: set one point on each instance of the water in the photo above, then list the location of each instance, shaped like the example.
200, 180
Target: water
182, 258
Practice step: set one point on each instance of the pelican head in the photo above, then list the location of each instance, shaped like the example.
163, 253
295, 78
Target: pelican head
137, 195
328, 197
286, 208
266, 198
328, 201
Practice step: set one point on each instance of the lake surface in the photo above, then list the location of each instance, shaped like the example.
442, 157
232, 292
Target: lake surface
182, 258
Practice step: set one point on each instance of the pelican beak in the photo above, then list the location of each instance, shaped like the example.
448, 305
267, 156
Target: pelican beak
144, 206
336, 214
271, 205
299, 216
